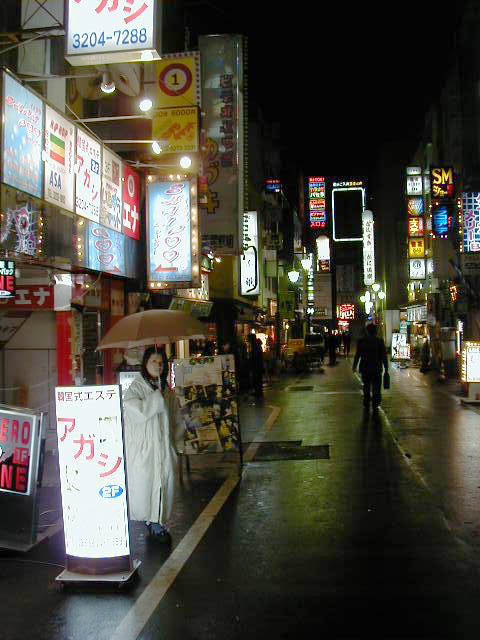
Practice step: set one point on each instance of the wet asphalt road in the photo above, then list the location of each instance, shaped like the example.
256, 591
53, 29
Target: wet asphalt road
381, 540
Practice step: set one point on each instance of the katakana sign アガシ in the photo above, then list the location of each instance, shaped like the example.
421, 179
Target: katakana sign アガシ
92, 471
88, 178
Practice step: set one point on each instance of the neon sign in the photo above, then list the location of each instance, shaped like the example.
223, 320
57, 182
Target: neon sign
317, 202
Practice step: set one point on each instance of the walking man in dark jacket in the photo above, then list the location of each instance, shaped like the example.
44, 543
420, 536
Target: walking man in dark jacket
372, 354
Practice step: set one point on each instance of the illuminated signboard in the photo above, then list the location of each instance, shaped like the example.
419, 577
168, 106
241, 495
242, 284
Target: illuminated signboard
178, 128
131, 203
273, 186
414, 185
18, 433
317, 202
471, 361
172, 233
346, 312
368, 248
249, 280
442, 217
59, 159
415, 206
111, 207
400, 348
88, 178
471, 221
111, 31
7, 279
415, 226
417, 269
416, 247
106, 250
348, 204
178, 80
442, 182
22, 135
414, 171
92, 471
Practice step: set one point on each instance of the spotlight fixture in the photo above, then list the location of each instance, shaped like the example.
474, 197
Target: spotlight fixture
107, 85
146, 56
145, 104
156, 148
185, 162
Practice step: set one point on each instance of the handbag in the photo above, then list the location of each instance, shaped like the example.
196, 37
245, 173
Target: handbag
386, 380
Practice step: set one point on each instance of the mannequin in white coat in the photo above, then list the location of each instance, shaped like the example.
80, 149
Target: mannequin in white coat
152, 427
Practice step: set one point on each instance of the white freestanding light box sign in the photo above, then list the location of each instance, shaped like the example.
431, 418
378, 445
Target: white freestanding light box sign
93, 483
471, 370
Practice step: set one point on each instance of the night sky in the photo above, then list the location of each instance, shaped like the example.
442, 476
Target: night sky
343, 80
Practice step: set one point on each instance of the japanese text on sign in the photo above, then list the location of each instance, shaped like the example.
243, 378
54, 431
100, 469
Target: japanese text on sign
92, 471
88, 179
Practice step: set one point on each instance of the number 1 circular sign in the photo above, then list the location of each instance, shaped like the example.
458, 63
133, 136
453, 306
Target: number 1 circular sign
175, 79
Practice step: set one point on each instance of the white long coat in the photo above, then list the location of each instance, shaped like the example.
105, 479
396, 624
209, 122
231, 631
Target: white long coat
152, 428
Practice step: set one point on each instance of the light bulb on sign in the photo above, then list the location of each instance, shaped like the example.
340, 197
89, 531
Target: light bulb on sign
185, 162
156, 148
381, 295
145, 104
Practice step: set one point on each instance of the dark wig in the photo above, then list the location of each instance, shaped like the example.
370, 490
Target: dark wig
153, 382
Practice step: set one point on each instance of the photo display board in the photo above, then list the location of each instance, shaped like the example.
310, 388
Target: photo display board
207, 392
92, 471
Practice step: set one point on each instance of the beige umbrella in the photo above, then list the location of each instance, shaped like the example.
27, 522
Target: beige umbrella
157, 326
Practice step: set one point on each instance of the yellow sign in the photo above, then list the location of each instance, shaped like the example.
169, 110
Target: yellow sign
416, 247
178, 128
178, 80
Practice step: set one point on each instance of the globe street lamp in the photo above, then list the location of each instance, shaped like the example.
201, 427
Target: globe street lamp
293, 276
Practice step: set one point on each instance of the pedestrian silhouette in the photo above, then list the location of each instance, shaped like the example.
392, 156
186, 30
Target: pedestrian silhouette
372, 355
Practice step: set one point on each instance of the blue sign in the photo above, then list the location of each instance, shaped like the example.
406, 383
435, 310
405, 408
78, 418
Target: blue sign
471, 221
22, 165
106, 249
442, 217
169, 232
111, 491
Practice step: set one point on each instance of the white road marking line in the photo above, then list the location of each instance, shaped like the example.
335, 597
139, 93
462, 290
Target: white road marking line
133, 623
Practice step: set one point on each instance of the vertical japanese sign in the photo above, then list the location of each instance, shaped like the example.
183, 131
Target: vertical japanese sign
110, 31
88, 178
368, 248
17, 439
131, 203
220, 186
111, 209
59, 162
317, 202
22, 117
249, 276
471, 221
92, 471
169, 232
7, 279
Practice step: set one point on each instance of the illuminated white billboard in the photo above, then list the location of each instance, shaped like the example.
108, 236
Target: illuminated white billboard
109, 31
471, 361
417, 269
172, 233
368, 248
92, 471
249, 276
414, 185
88, 177
59, 159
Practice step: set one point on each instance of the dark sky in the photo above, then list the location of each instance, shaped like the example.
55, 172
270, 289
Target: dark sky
342, 78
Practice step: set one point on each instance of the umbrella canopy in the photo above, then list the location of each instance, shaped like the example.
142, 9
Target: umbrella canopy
156, 326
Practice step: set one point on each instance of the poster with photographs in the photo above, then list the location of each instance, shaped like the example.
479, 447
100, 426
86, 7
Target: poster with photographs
207, 393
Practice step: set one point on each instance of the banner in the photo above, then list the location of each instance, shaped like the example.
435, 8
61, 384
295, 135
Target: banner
111, 209
131, 203
88, 179
22, 135
92, 471
206, 390
59, 162
368, 248
219, 187
178, 80
178, 128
